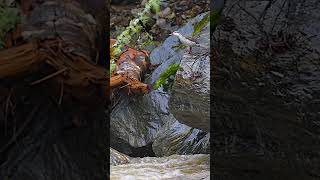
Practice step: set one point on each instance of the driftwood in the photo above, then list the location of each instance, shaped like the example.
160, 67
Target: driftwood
131, 66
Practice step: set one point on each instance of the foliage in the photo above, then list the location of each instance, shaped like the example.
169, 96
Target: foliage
148, 41
153, 5
166, 75
213, 17
113, 67
199, 26
135, 27
9, 18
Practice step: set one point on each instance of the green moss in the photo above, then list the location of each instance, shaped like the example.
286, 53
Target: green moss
9, 18
164, 77
154, 5
179, 47
148, 41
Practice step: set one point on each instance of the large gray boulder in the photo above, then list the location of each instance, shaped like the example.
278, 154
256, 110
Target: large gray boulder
190, 98
177, 138
137, 119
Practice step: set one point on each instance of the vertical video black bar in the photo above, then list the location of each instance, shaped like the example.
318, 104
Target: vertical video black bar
266, 90
216, 8
54, 59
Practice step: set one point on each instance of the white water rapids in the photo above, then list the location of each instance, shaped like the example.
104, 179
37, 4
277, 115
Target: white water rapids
186, 167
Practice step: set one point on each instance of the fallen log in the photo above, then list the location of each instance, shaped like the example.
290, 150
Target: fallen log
130, 68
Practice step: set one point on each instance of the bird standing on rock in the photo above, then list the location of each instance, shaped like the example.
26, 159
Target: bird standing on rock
187, 41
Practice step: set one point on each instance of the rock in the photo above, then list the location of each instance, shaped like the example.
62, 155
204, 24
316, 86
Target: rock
137, 119
177, 138
165, 12
135, 11
124, 2
143, 2
161, 22
190, 98
117, 158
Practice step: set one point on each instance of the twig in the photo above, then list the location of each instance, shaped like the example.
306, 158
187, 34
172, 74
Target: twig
124, 86
49, 76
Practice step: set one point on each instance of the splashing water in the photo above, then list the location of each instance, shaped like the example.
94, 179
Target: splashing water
173, 167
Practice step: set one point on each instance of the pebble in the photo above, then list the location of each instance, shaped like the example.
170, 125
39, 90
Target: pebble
136, 11
161, 22
171, 16
166, 12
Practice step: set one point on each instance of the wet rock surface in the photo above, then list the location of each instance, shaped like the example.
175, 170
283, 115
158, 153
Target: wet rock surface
266, 92
140, 120
177, 138
137, 119
117, 158
190, 98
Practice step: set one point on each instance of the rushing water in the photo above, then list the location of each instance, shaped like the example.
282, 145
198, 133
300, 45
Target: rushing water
184, 167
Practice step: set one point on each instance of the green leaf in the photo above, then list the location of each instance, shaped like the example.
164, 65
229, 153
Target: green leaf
213, 18
199, 26
112, 68
171, 71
